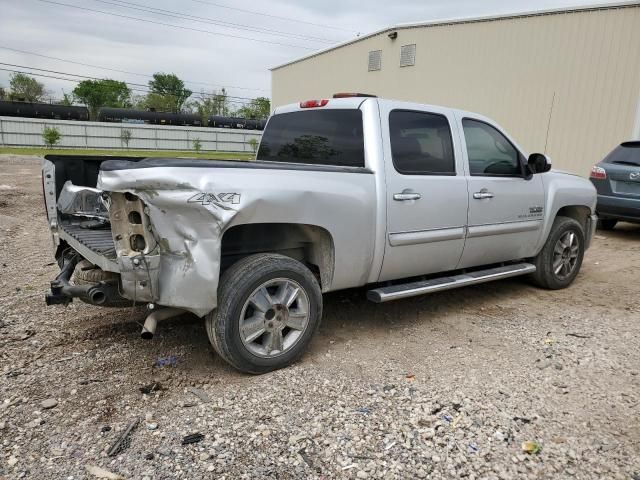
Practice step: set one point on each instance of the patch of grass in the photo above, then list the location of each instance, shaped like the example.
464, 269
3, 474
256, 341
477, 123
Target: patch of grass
41, 152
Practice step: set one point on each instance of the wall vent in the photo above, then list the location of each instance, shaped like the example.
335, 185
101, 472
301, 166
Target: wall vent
408, 55
375, 60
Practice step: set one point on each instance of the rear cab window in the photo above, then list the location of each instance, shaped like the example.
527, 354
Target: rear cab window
315, 137
421, 143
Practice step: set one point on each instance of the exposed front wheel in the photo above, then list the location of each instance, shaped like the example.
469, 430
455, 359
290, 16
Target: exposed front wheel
269, 307
559, 261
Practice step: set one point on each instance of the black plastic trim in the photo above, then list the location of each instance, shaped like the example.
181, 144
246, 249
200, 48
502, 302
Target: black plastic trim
112, 165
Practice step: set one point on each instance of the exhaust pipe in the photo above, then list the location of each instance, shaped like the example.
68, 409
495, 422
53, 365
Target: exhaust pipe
150, 324
97, 296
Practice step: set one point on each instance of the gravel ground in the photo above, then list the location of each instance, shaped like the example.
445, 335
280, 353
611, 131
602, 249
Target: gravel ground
444, 386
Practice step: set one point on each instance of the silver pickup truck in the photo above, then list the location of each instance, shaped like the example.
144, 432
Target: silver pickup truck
405, 198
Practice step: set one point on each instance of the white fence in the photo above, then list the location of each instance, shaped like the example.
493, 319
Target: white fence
27, 132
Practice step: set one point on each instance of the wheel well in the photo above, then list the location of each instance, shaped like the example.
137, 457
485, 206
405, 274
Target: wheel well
580, 213
309, 244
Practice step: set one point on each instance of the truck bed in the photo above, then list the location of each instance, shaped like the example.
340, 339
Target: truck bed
100, 241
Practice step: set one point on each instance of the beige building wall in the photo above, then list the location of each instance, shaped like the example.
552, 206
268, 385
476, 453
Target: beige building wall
585, 63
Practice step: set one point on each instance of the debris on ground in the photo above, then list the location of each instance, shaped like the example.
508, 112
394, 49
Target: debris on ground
100, 472
124, 439
151, 388
531, 447
49, 403
193, 438
170, 361
578, 335
201, 394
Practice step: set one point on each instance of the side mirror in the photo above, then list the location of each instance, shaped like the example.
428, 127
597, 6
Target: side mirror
538, 163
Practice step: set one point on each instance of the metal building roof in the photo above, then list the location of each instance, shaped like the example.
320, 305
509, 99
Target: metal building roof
454, 21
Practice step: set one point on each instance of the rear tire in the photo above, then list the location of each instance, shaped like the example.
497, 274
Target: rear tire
269, 307
607, 223
559, 261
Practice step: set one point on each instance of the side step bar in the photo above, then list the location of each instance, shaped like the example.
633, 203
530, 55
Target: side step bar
395, 292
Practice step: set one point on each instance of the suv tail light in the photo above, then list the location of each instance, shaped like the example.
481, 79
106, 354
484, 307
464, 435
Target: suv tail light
598, 173
314, 103
352, 95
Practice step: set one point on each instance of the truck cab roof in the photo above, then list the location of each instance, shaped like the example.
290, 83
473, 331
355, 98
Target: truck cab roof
357, 102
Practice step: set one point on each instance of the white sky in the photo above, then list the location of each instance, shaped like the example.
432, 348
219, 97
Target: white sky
216, 59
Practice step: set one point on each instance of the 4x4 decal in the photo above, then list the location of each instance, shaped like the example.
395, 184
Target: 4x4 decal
212, 198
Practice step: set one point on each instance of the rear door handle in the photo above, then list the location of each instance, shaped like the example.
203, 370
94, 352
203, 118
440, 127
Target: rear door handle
405, 196
482, 194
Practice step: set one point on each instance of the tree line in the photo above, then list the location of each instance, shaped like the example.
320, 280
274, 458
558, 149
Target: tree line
167, 93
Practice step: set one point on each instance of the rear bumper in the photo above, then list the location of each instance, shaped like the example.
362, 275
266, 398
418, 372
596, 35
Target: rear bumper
618, 207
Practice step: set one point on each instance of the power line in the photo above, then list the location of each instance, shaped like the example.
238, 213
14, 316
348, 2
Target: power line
96, 78
175, 26
262, 14
200, 19
147, 91
124, 71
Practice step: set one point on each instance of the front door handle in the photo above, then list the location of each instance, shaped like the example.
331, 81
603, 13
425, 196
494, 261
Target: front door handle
405, 196
482, 194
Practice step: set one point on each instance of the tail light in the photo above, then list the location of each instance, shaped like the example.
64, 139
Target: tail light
314, 103
598, 173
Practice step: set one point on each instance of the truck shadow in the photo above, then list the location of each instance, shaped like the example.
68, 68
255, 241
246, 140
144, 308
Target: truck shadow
348, 317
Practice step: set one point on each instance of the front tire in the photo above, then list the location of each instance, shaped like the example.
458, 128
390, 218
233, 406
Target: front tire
269, 307
559, 261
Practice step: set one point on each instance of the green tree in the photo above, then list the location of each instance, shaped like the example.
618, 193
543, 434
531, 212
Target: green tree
67, 100
159, 103
257, 108
125, 137
25, 88
253, 143
197, 145
169, 86
51, 136
102, 93
3, 94
215, 103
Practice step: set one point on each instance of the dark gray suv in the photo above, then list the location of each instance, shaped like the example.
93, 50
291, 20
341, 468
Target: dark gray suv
617, 180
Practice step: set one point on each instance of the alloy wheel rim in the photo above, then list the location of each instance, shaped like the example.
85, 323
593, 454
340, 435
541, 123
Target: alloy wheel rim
274, 317
565, 255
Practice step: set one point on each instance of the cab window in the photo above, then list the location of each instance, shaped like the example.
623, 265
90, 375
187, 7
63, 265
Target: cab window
421, 143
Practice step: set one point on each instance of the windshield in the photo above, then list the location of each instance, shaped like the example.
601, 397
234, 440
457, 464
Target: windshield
319, 137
